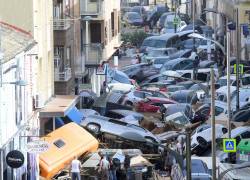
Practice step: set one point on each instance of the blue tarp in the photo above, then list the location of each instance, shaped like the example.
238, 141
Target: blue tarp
75, 115
59, 122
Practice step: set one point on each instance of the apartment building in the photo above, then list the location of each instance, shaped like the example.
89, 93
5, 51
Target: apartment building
100, 36
67, 53
17, 86
35, 18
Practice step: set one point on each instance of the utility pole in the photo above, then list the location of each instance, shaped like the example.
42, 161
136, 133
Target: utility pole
193, 9
188, 153
228, 84
175, 25
213, 126
238, 49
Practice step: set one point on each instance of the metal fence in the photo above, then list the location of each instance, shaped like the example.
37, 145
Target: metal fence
93, 53
90, 7
61, 24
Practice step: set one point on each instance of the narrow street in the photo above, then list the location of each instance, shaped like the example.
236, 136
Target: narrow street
125, 90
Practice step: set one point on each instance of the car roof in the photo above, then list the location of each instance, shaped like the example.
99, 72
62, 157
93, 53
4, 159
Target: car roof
162, 37
235, 132
183, 92
159, 99
175, 61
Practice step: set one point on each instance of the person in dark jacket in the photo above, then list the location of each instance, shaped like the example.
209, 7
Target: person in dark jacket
127, 167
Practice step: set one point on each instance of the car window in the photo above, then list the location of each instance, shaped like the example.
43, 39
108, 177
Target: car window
139, 94
156, 104
245, 134
238, 140
117, 122
114, 115
246, 81
218, 110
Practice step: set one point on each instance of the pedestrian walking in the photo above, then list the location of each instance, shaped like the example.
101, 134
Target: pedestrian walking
127, 167
196, 64
138, 58
75, 169
112, 169
104, 167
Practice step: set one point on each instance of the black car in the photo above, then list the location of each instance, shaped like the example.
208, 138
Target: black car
178, 64
163, 18
133, 18
185, 96
153, 16
139, 72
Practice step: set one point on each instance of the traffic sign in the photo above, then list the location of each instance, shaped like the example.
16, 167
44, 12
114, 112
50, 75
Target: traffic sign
229, 145
241, 69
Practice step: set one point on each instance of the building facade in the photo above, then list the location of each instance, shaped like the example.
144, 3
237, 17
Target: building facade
20, 116
67, 52
17, 88
100, 36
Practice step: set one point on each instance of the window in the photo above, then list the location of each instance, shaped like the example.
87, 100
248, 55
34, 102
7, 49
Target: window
218, 110
245, 81
245, 135
68, 54
112, 24
59, 143
139, 94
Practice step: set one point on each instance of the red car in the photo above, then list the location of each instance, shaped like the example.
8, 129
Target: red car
152, 104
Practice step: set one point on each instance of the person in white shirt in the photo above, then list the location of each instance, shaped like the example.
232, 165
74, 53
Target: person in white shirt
104, 167
75, 169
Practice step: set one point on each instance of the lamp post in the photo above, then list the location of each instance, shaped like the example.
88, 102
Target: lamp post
196, 35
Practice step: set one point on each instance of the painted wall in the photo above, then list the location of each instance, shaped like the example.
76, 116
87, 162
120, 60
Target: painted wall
18, 13
35, 16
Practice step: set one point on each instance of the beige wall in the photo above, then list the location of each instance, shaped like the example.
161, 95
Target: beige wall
35, 16
18, 13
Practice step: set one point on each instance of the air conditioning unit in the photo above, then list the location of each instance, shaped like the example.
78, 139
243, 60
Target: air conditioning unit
39, 101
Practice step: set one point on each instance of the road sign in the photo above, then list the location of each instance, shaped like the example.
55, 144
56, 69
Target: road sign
229, 145
241, 69
37, 146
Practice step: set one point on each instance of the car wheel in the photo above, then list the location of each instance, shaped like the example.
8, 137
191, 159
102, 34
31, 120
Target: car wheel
224, 130
94, 128
202, 142
129, 103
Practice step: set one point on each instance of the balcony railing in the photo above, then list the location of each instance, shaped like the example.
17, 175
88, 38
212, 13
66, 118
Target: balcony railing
93, 53
63, 76
91, 7
61, 24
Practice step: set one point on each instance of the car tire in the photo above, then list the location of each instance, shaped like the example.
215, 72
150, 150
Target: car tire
224, 130
94, 128
129, 103
202, 142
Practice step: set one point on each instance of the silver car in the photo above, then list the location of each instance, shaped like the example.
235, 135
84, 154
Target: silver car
101, 124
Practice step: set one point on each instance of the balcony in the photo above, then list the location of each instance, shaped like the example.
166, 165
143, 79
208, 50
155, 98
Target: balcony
63, 76
61, 24
91, 7
93, 54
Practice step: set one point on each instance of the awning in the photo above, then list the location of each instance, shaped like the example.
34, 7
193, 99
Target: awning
75, 115
59, 106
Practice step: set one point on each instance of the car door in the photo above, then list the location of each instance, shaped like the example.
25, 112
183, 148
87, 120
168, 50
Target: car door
153, 107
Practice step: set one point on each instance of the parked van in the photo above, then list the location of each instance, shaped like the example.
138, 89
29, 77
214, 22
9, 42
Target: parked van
64, 144
162, 41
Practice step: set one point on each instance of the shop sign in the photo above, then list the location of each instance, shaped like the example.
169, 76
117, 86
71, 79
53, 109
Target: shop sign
37, 146
15, 159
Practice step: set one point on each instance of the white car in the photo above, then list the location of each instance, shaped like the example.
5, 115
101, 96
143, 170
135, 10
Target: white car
202, 136
120, 87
